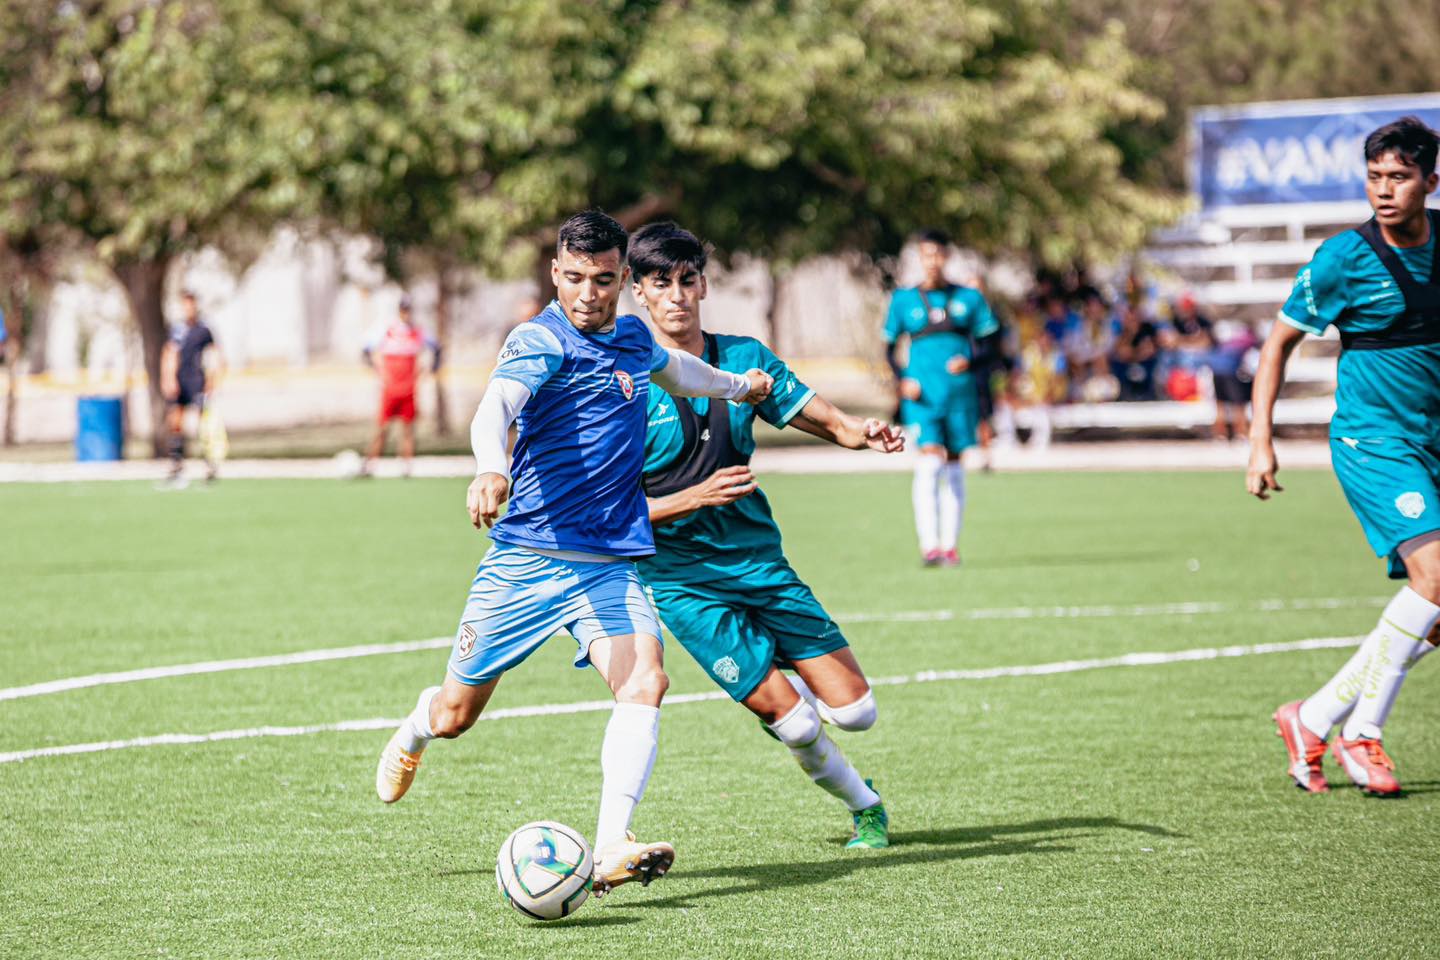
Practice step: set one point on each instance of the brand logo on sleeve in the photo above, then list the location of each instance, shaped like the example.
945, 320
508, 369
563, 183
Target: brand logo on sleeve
1411, 504
627, 386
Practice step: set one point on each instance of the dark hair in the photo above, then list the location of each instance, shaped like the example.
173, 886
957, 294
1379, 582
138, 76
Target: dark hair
933, 235
1410, 138
591, 232
662, 247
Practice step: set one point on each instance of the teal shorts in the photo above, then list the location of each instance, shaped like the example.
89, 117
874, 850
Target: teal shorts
951, 424
1394, 488
737, 628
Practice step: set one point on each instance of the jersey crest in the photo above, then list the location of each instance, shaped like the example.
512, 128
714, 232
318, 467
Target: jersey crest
627, 385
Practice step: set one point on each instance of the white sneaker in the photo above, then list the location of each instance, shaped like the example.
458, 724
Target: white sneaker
627, 860
396, 770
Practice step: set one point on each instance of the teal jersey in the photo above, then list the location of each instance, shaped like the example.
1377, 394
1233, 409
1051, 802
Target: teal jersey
1379, 394
941, 324
719, 542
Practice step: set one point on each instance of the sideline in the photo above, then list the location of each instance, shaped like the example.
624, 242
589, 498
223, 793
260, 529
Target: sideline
1184, 608
597, 706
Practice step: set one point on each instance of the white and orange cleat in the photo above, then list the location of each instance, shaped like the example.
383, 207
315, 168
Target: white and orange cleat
1306, 750
626, 860
1366, 762
396, 770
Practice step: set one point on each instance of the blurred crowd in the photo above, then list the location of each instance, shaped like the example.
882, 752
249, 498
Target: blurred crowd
1070, 341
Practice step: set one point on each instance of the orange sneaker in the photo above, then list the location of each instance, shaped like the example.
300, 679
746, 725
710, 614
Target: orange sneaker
1366, 762
1306, 750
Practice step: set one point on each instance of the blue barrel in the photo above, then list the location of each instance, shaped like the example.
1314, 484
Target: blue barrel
98, 435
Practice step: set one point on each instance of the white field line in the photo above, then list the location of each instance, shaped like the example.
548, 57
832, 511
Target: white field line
596, 706
1185, 608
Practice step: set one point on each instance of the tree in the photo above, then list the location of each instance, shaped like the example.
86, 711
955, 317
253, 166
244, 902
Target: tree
145, 130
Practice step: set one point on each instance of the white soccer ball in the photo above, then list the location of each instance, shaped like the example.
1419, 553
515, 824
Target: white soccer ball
348, 464
544, 870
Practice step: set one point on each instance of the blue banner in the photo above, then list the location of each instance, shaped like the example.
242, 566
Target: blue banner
1296, 152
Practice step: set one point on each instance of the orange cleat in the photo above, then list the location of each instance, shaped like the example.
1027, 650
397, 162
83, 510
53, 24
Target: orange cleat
1306, 750
1366, 762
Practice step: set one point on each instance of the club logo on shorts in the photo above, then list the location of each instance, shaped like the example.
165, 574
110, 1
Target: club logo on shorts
1411, 504
467, 641
627, 386
726, 669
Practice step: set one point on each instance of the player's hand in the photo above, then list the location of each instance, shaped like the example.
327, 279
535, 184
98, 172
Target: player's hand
1260, 475
957, 364
761, 383
910, 389
724, 486
882, 436
486, 494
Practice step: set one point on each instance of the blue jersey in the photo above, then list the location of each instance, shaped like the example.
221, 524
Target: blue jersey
1379, 394
580, 442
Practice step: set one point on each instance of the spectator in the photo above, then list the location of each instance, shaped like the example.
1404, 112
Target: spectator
395, 356
1134, 355
1231, 365
1186, 346
1060, 320
185, 383
1087, 350
1041, 381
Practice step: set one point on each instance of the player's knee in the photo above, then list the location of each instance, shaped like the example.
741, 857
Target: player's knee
859, 715
645, 686
799, 727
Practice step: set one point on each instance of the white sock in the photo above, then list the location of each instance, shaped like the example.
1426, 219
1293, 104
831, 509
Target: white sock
806, 694
952, 504
818, 756
1421, 652
415, 732
924, 495
860, 715
626, 759
1399, 636
1332, 703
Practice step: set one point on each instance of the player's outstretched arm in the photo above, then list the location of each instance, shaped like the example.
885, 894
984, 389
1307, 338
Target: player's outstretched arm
821, 418
489, 433
686, 375
1279, 345
725, 485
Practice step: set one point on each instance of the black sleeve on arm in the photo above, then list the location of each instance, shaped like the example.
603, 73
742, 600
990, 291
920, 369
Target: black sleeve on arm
894, 364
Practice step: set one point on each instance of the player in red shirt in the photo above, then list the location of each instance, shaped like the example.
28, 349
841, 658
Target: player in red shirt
395, 355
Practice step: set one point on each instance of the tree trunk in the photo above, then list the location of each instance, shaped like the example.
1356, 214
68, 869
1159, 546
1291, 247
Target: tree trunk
772, 309
442, 337
544, 254
144, 283
10, 350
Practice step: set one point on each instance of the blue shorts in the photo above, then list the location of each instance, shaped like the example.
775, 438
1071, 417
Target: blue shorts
520, 599
737, 628
951, 425
1394, 488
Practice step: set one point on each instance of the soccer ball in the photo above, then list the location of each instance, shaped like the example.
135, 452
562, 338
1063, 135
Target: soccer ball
347, 464
544, 870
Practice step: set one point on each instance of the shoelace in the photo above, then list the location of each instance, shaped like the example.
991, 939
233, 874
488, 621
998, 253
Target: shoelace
402, 761
1376, 754
1314, 755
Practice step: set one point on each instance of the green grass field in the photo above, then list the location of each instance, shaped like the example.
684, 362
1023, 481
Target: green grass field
1121, 812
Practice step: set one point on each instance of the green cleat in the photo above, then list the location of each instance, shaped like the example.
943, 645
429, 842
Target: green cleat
872, 827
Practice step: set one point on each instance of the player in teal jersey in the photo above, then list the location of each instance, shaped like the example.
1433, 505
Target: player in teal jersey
719, 576
1379, 286
939, 398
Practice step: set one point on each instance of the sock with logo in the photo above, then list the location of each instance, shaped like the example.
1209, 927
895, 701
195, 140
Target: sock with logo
626, 758
924, 495
818, 756
1390, 650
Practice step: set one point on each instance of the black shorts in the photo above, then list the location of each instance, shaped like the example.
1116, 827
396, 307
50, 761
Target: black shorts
190, 395
1231, 390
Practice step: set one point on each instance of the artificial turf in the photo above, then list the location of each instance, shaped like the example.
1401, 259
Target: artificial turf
1139, 811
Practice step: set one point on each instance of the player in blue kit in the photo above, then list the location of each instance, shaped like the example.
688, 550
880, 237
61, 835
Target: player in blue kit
719, 577
574, 381
1379, 285
939, 398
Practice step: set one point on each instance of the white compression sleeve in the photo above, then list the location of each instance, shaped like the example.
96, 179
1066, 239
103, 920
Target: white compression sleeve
686, 375
490, 428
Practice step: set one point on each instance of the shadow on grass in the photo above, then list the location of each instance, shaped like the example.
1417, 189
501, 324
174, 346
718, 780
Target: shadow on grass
907, 849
